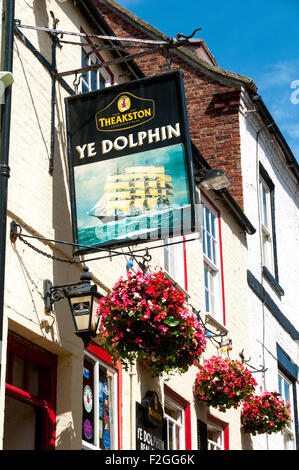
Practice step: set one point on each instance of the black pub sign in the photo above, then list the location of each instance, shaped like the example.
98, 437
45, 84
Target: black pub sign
130, 163
149, 423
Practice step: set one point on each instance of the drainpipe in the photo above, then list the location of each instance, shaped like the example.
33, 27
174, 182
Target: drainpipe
6, 64
131, 374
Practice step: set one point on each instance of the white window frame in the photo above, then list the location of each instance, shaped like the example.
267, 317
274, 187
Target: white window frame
179, 423
101, 71
266, 225
211, 261
99, 362
173, 260
219, 444
289, 432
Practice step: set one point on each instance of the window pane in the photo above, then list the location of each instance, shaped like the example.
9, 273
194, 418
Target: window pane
33, 385
178, 440
18, 372
204, 242
174, 259
213, 224
102, 81
264, 205
207, 219
207, 301
170, 436
286, 392
214, 252
94, 79
88, 402
202, 215
106, 419
280, 384
209, 251
206, 271
85, 75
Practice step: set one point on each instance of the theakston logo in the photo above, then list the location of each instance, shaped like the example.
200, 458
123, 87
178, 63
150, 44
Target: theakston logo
125, 111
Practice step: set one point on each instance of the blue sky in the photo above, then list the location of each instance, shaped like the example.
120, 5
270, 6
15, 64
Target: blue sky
259, 39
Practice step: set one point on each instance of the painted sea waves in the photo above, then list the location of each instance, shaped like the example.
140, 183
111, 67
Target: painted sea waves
144, 196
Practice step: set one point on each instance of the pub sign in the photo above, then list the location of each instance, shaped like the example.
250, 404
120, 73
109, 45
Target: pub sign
150, 423
130, 164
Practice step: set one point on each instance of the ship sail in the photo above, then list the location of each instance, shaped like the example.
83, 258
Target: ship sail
133, 191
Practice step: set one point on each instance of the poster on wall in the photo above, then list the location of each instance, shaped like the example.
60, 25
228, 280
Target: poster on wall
130, 163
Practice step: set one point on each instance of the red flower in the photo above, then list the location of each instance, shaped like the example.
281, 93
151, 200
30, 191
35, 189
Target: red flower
223, 382
265, 414
145, 317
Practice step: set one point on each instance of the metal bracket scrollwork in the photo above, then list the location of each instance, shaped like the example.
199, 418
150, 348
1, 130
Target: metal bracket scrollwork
246, 362
180, 35
52, 294
215, 336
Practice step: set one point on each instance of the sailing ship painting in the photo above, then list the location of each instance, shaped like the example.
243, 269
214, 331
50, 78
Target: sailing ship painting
134, 191
136, 197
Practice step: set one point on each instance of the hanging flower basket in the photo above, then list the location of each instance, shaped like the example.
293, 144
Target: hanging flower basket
145, 318
265, 414
223, 383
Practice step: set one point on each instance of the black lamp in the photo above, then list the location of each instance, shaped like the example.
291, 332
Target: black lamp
213, 179
83, 300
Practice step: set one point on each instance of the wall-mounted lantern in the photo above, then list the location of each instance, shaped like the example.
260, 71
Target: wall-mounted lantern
83, 301
213, 179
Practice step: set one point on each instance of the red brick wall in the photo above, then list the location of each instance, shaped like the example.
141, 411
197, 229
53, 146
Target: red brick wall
212, 107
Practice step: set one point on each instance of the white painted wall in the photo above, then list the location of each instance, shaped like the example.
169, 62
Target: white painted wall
265, 331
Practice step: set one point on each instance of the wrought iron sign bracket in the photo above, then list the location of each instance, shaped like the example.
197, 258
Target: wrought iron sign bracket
246, 362
220, 332
149, 44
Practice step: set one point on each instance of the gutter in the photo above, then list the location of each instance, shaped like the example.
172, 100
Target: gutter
216, 72
274, 129
6, 64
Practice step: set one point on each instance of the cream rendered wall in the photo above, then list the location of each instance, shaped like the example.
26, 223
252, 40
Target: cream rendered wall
235, 293
236, 306
40, 203
265, 330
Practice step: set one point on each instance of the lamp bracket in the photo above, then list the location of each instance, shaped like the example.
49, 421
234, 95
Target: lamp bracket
52, 294
220, 332
246, 362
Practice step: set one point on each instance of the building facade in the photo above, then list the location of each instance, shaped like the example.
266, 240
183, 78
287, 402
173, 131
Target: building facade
68, 397
270, 198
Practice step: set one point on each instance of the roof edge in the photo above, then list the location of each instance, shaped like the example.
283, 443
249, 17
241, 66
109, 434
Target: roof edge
218, 71
274, 129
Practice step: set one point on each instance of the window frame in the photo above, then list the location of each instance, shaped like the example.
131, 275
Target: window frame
289, 432
177, 401
179, 423
45, 402
99, 357
218, 425
212, 265
266, 226
94, 57
269, 230
178, 252
217, 445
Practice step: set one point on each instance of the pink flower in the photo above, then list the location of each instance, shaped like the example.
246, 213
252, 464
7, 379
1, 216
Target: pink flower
151, 311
